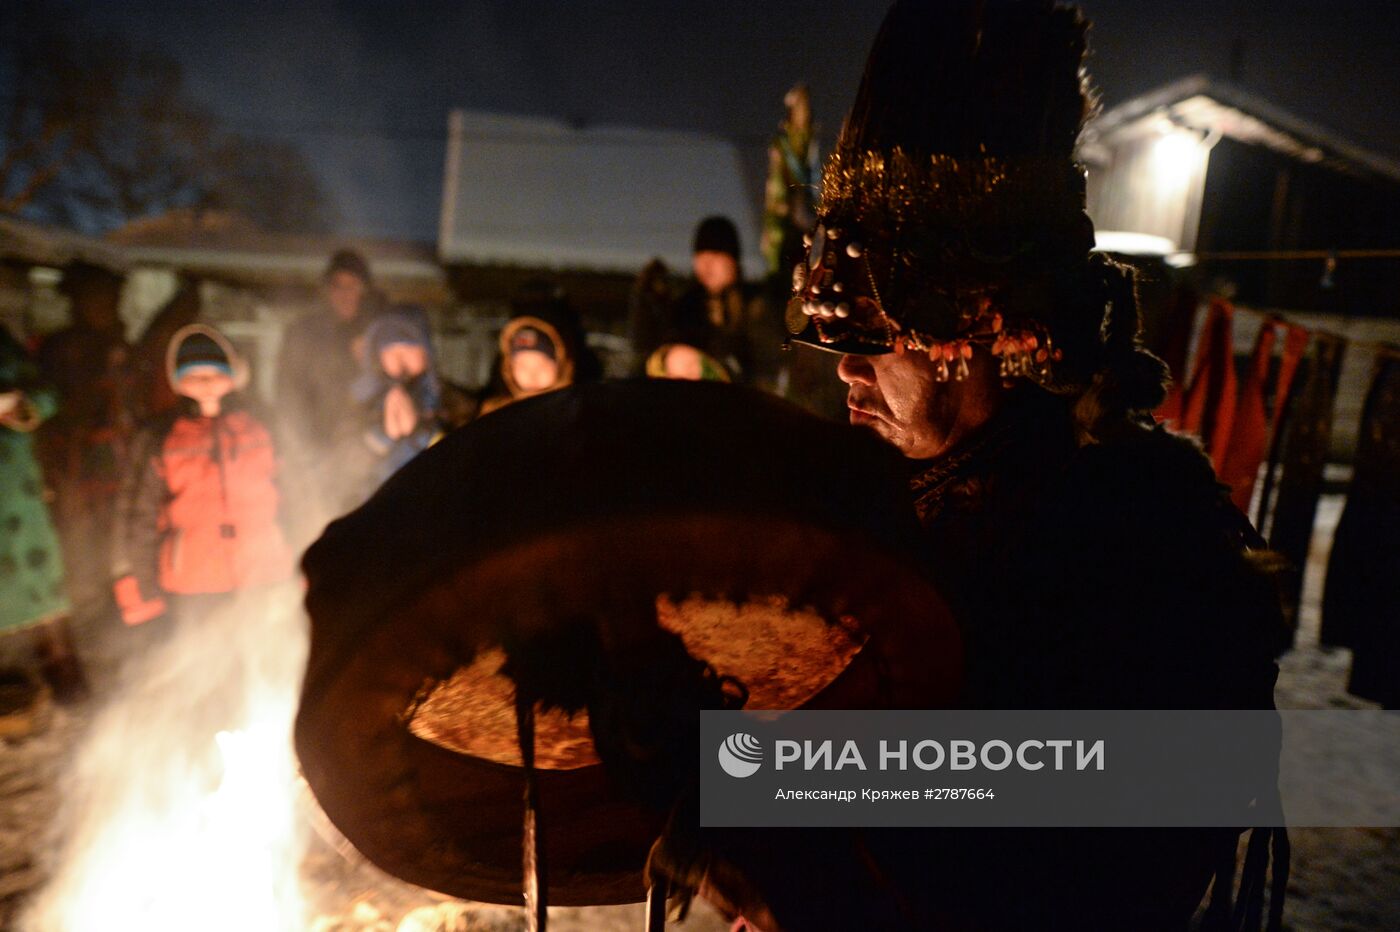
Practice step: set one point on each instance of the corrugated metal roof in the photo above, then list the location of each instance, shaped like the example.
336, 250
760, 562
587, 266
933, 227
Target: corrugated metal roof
541, 193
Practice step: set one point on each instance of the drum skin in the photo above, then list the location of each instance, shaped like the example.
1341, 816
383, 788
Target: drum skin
588, 503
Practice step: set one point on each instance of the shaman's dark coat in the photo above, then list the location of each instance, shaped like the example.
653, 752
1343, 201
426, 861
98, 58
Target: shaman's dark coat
1115, 575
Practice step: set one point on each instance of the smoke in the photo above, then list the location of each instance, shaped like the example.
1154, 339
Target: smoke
180, 810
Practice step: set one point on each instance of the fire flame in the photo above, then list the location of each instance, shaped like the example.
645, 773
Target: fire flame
181, 810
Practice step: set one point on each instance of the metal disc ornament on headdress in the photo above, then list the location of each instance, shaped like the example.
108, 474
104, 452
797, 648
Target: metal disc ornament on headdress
930, 248
952, 206
577, 568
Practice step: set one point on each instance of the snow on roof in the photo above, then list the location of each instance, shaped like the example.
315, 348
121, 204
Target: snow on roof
39, 244
220, 243
539, 192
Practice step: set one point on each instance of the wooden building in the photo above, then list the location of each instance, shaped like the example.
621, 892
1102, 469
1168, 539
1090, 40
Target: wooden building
252, 283
1273, 211
1251, 195
32, 259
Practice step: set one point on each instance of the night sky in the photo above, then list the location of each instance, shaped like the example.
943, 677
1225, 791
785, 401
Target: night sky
365, 86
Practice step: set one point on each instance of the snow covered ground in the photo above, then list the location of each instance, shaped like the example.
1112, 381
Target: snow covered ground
1341, 879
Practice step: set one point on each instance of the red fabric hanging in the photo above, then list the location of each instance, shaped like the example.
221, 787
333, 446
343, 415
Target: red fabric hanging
1208, 406
1295, 342
1231, 420
1175, 349
1248, 438
1244, 449
1294, 345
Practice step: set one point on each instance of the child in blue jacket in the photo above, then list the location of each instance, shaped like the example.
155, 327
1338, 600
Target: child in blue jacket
399, 390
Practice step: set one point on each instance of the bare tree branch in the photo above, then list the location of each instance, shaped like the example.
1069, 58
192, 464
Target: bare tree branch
99, 132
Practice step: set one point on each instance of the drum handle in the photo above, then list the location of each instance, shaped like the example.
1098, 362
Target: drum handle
535, 877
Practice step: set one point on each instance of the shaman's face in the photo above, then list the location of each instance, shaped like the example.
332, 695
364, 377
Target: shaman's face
900, 397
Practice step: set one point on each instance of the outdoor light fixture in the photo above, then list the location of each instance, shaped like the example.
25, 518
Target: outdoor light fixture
1176, 156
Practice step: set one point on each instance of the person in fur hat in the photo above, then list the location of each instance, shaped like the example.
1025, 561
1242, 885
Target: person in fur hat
1090, 558
543, 347
198, 515
534, 359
